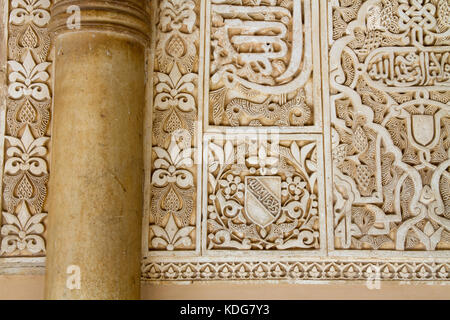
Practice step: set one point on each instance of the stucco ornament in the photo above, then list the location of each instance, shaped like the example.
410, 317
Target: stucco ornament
263, 201
28, 79
176, 42
26, 11
390, 66
172, 193
28, 28
26, 139
325, 149
286, 140
26, 154
169, 165
22, 231
172, 215
174, 104
261, 62
25, 172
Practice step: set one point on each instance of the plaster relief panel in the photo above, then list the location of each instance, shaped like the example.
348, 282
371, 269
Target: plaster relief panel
325, 149
390, 124
262, 64
263, 193
26, 129
176, 90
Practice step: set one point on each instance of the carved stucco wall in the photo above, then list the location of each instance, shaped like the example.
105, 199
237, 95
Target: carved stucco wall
25, 127
285, 140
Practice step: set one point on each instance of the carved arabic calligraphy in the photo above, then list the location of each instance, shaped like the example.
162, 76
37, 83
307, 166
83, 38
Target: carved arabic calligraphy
407, 67
263, 194
260, 62
252, 45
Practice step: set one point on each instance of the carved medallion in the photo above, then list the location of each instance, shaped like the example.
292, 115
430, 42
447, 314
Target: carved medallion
263, 194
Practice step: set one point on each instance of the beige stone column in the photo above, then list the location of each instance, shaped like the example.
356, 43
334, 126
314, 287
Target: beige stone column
95, 198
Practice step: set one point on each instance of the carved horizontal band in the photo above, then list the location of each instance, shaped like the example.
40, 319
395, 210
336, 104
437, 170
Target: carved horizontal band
112, 15
295, 270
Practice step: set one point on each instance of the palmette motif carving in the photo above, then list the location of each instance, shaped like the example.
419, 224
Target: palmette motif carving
390, 78
22, 231
28, 79
296, 270
261, 63
175, 106
178, 33
173, 187
262, 194
28, 22
25, 173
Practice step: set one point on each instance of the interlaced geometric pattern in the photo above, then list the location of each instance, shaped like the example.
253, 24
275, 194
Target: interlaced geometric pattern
390, 125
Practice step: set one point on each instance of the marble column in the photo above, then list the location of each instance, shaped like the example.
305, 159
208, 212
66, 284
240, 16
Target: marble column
95, 189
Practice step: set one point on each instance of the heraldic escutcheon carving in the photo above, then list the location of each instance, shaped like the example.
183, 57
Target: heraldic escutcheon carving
263, 193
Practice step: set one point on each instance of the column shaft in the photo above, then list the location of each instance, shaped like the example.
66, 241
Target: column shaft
95, 198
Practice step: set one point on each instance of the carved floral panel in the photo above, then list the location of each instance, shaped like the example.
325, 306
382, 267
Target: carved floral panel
390, 124
172, 207
26, 154
263, 64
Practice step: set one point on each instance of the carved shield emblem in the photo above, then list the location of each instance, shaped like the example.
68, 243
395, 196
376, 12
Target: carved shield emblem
423, 128
262, 199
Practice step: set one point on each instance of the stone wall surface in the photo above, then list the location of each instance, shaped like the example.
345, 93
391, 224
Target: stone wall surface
284, 139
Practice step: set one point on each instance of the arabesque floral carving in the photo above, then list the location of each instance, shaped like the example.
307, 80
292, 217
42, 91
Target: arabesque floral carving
390, 107
26, 139
263, 195
173, 197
